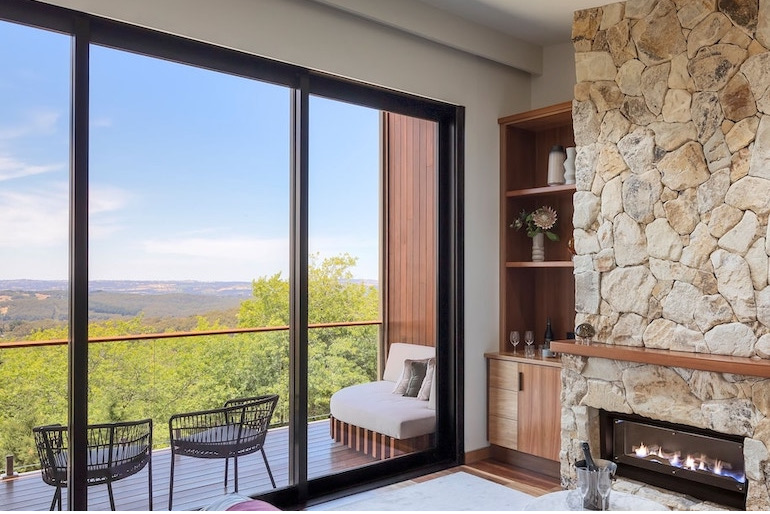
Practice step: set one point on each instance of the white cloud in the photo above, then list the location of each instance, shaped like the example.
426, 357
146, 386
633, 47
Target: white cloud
101, 122
37, 219
193, 258
11, 168
36, 122
103, 199
40, 218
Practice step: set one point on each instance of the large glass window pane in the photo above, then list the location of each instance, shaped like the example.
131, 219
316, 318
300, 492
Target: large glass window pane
34, 204
344, 241
189, 252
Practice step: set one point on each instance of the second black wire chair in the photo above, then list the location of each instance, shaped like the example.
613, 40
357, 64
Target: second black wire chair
239, 428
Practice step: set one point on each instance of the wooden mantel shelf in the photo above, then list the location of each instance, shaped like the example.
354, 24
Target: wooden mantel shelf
748, 366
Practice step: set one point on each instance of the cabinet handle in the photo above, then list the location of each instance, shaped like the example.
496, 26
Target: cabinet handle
521, 381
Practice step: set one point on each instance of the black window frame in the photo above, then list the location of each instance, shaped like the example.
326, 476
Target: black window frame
87, 29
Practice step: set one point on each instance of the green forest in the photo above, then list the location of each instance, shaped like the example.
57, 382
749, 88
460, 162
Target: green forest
131, 380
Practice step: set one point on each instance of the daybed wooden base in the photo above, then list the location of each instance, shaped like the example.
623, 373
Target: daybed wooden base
376, 445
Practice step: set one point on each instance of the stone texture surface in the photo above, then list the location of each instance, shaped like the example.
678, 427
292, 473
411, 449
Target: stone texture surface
673, 122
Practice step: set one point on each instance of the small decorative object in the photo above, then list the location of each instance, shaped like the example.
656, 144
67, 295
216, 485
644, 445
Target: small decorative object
537, 223
556, 158
571, 246
569, 165
584, 333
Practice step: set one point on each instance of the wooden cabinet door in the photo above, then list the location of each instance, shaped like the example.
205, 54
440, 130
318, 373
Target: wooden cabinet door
539, 411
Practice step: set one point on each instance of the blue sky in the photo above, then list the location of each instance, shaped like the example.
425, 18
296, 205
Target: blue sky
189, 169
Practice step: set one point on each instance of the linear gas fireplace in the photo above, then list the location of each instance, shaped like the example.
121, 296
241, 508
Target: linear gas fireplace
701, 463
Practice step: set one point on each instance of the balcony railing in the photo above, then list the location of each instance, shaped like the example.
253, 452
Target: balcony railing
136, 372
169, 335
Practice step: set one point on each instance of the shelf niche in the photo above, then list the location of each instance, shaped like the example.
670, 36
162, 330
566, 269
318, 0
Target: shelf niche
530, 291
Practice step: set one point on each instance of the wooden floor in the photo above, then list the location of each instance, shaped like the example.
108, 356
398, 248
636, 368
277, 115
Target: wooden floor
197, 481
523, 480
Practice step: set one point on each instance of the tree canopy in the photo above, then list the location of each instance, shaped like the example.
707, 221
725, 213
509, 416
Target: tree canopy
156, 378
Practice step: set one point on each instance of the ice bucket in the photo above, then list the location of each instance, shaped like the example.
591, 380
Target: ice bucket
592, 499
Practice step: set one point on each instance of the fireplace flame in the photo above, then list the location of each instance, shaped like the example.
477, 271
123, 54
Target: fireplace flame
641, 451
698, 463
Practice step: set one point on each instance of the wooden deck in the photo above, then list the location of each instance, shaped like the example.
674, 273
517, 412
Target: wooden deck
196, 481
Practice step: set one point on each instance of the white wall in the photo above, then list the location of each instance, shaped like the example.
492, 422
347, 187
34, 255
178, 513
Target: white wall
557, 83
316, 36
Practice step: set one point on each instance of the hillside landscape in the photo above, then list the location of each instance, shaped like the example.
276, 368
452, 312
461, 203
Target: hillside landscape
27, 305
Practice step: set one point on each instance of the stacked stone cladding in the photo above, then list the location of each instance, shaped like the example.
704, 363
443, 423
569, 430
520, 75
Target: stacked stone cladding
672, 126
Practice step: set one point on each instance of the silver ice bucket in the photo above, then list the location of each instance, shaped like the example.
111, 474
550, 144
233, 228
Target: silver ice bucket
592, 499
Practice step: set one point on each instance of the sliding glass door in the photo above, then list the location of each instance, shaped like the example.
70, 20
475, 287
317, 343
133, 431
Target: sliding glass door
344, 293
188, 237
184, 225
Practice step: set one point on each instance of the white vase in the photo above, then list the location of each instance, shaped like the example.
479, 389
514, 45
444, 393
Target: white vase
538, 247
569, 165
556, 159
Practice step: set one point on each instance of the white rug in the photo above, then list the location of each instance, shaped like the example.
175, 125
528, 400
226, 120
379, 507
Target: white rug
458, 491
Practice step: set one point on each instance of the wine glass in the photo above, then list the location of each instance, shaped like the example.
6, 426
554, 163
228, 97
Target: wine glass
604, 485
514, 338
529, 340
583, 484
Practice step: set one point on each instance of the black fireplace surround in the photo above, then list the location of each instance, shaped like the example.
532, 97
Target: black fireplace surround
693, 461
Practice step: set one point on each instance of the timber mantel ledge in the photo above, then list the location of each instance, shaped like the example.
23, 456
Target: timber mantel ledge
747, 366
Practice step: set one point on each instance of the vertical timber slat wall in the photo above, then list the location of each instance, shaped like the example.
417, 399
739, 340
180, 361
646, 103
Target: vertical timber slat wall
409, 153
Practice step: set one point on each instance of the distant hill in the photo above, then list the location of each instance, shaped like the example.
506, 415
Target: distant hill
32, 300
36, 300
239, 289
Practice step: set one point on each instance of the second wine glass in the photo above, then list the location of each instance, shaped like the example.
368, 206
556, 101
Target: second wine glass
529, 340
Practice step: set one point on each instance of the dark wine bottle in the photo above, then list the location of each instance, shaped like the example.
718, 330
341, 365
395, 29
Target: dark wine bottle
548, 333
590, 464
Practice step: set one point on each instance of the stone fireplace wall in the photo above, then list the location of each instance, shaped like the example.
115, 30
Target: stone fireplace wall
672, 124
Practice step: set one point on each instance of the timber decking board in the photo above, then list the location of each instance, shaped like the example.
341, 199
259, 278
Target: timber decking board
196, 481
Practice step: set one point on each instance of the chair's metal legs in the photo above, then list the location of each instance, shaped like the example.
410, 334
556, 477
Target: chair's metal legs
171, 482
56, 496
227, 463
236, 473
270, 473
112, 499
149, 477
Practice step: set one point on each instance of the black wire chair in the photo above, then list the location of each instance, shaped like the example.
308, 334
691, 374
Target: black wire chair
115, 451
239, 428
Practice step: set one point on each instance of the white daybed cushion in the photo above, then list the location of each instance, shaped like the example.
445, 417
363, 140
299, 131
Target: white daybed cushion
374, 406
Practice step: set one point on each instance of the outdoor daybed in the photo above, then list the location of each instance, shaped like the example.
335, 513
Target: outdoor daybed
373, 419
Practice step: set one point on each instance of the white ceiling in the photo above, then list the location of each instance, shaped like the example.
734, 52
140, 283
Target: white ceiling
541, 22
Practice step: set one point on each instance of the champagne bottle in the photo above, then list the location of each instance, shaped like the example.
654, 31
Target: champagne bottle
548, 333
590, 465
